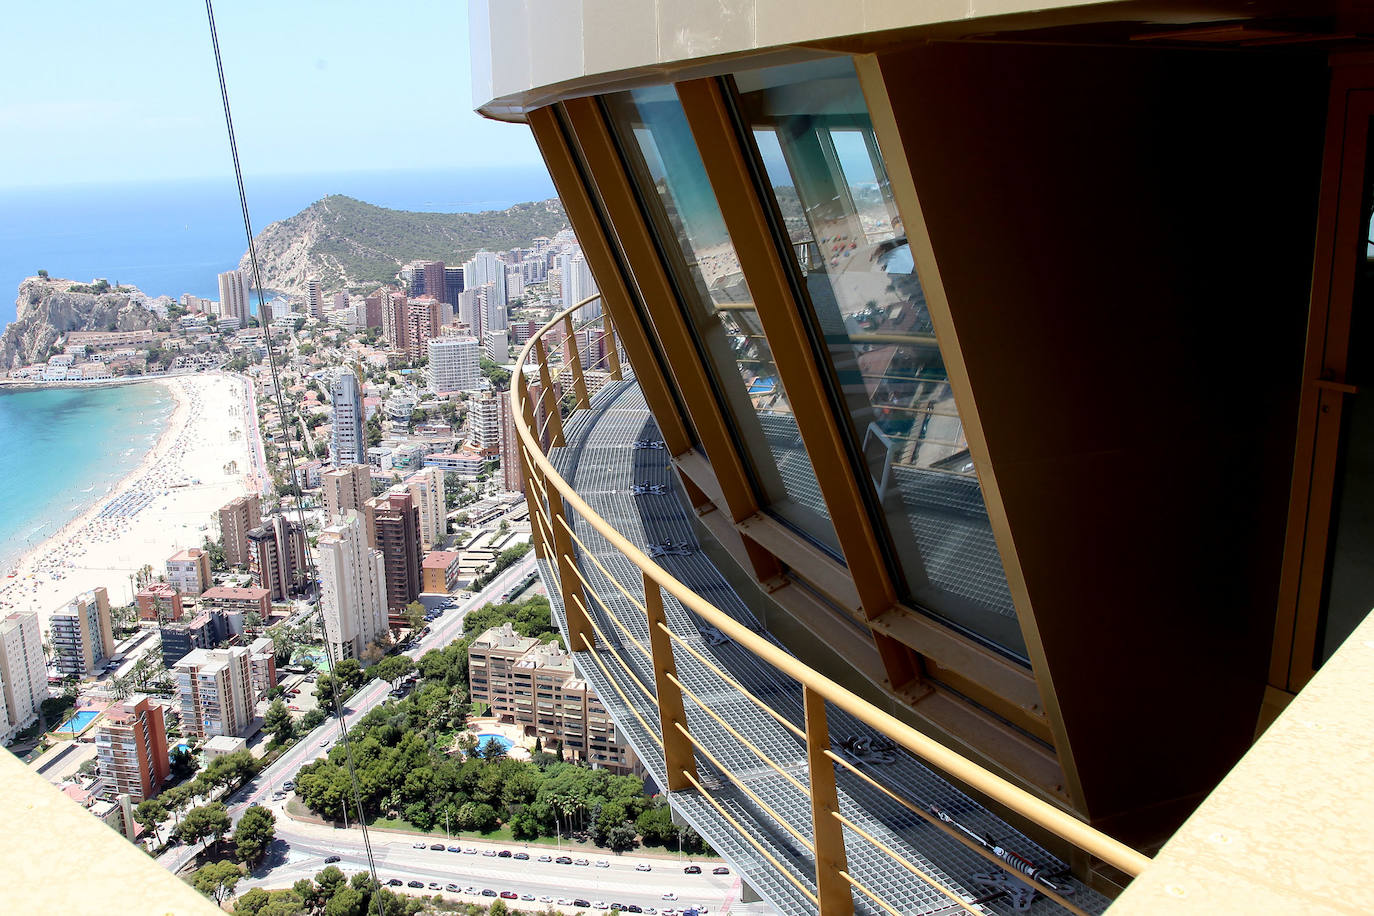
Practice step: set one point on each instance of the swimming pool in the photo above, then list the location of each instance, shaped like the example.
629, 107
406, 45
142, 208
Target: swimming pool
762, 386
78, 723
506, 743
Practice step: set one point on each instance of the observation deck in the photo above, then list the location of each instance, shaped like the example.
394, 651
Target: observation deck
821, 801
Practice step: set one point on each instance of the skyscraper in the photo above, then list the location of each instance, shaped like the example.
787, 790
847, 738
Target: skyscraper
484, 422
423, 322
435, 284
277, 557
23, 674
426, 489
353, 587
349, 446
346, 487
487, 269
131, 745
83, 634
453, 285
215, 690
314, 299
236, 519
578, 282
393, 523
512, 477
454, 363
233, 295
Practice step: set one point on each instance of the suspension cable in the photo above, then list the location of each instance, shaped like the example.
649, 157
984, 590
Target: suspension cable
264, 319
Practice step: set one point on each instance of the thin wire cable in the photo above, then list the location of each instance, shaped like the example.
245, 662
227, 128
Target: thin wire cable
265, 319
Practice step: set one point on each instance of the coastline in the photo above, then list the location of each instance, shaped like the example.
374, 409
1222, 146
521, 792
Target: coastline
203, 458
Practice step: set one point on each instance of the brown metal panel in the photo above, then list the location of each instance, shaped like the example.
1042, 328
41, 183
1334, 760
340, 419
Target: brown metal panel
594, 139
678, 757
615, 295
573, 356
833, 893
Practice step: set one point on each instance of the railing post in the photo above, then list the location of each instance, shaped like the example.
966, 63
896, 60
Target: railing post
573, 357
613, 348
573, 610
835, 897
555, 415
532, 499
677, 749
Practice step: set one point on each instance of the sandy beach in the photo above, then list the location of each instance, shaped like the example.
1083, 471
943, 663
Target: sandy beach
207, 455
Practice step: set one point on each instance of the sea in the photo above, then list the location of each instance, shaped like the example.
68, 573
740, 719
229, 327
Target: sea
62, 450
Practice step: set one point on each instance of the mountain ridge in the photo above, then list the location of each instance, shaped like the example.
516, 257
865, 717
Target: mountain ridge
350, 245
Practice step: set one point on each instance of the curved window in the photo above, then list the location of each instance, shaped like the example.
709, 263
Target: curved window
816, 144
662, 157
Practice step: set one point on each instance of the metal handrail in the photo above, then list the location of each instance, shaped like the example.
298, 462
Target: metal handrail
1013, 797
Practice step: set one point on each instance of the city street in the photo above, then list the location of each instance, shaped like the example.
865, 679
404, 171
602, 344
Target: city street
309, 844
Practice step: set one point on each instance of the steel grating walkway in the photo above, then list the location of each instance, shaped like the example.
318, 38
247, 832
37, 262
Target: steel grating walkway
630, 485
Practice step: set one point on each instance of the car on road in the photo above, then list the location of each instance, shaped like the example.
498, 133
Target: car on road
395, 882
601, 905
453, 889
505, 853
437, 847
564, 901
325, 742
581, 901
581, 862
669, 896
417, 845
634, 908
331, 859
413, 883
720, 870
289, 785
546, 858
434, 886
472, 890
488, 892
692, 870
546, 899
526, 896
522, 856
563, 860
470, 851
644, 866
510, 895
602, 863
455, 849
489, 853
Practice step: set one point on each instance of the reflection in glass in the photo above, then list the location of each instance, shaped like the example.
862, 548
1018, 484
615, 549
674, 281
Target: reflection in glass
819, 154
662, 156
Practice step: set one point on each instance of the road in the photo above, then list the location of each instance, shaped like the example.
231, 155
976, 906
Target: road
396, 858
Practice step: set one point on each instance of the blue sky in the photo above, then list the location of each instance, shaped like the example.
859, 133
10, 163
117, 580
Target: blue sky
98, 91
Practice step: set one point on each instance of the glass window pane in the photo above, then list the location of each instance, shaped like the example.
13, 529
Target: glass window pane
819, 154
662, 157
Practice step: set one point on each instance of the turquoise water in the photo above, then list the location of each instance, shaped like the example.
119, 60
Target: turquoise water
505, 742
66, 448
78, 723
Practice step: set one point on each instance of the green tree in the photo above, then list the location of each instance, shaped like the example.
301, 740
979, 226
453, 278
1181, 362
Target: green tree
150, 812
346, 901
415, 615
254, 834
622, 837
392, 668
312, 719
216, 880
251, 902
183, 763
210, 820
277, 722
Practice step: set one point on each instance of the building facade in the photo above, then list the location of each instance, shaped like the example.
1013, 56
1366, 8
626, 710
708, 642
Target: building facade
160, 601
349, 445
393, 523
23, 672
233, 295
188, 571
426, 489
439, 571
215, 691
131, 745
83, 634
454, 363
345, 488
353, 587
236, 518
278, 561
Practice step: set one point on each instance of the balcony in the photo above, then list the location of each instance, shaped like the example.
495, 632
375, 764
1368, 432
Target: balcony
820, 799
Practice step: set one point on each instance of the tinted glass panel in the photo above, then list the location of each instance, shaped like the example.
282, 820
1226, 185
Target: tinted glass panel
819, 154
662, 157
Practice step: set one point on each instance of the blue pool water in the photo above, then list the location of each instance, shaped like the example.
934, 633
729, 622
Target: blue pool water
78, 723
762, 386
506, 743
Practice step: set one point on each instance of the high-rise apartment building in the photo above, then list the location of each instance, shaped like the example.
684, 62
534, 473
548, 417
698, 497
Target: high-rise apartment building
215, 690
512, 475
578, 283
83, 634
314, 299
188, 571
393, 307
426, 489
454, 363
131, 746
233, 295
534, 685
486, 414
372, 311
349, 446
453, 285
435, 285
345, 488
277, 557
23, 673
353, 587
237, 518
393, 525
423, 322
159, 601
487, 270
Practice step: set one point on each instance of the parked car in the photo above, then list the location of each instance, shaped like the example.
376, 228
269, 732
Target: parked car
522, 856
419, 884
488, 892
417, 845
720, 870
435, 886
644, 866
437, 847
489, 853
395, 882
453, 889
330, 860
602, 863
455, 849
581, 862
581, 902
505, 853
510, 895
692, 870
563, 860
546, 858
526, 896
